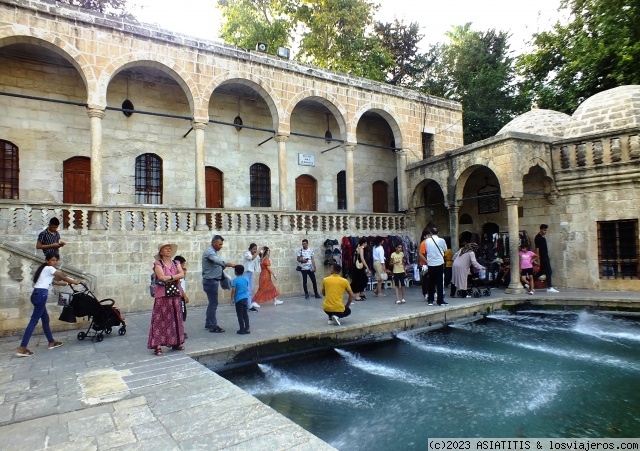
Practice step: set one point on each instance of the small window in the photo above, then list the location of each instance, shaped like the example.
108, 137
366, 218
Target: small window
618, 249
260, 185
148, 179
427, 145
342, 190
9, 170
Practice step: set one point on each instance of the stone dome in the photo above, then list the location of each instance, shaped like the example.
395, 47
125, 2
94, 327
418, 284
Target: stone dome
613, 109
538, 122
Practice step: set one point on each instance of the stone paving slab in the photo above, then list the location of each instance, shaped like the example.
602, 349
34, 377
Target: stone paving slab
117, 395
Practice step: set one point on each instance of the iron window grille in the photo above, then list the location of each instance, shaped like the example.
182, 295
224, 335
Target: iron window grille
342, 190
260, 185
488, 198
427, 145
148, 179
618, 249
9, 171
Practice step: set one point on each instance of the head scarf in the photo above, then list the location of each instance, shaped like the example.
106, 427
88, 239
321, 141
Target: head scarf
471, 247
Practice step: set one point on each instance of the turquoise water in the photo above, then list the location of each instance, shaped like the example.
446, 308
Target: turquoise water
527, 375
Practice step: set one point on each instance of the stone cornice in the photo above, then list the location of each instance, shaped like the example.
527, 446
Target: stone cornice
84, 17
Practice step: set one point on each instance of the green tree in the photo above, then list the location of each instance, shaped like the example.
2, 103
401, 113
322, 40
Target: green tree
475, 69
114, 7
400, 41
334, 33
597, 50
248, 22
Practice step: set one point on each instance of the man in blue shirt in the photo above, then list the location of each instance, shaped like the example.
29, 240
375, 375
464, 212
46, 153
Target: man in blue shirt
239, 296
212, 266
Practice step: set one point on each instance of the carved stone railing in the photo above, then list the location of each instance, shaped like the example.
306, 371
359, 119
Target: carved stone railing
16, 217
594, 160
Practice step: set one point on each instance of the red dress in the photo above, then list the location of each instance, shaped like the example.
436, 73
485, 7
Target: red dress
167, 328
266, 289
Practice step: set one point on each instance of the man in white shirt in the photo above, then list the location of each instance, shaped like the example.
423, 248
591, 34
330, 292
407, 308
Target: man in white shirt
379, 264
308, 268
435, 247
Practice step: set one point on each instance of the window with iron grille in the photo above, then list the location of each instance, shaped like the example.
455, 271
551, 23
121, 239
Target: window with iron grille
427, 145
148, 179
342, 190
260, 181
618, 249
9, 171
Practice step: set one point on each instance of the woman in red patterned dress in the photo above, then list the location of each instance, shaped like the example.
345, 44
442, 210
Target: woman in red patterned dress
167, 328
266, 289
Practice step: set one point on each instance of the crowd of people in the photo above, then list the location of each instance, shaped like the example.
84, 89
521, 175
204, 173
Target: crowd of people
440, 268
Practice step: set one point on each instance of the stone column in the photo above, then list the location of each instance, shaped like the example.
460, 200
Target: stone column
282, 172
349, 176
96, 115
453, 226
201, 187
401, 166
515, 287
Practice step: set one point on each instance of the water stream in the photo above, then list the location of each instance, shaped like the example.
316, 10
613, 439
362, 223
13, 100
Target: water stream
532, 374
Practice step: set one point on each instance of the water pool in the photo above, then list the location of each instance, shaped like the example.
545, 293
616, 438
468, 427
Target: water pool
532, 374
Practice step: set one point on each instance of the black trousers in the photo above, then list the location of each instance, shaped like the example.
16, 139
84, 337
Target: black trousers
312, 276
545, 268
347, 312
243, 315
436, 283
424, 283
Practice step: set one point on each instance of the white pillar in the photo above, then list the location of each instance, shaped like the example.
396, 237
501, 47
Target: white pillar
201, 194
401, 166
514, 240
282, 172
453, 226
95, 123
349, 176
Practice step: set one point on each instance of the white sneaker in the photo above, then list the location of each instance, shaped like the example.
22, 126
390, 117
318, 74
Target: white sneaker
255, 305
334, 320
277, 302
526, 285
552, 290
403, 301
329, 322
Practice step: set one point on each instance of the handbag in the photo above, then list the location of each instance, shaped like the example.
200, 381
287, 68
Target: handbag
171, 289
298, 268
67, 315
359, 264
225, 282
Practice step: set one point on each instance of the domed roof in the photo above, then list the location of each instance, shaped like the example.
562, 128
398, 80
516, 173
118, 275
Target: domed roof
613, 109
538, 122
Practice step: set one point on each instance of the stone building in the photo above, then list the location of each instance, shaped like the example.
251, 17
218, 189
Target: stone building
133, 136
579, 174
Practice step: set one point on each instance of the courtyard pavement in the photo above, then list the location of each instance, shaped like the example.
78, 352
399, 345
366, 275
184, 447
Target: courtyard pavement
117, 395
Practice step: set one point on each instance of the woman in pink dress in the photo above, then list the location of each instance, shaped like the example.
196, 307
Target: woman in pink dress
167, 327
266, 289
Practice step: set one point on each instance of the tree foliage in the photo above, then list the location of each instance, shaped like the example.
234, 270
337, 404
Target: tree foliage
248, 22
599, 49
114, 7
475, 69
400, 41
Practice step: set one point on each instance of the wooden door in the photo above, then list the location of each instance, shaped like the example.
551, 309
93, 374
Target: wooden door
306, 193
76, 188
380, 197
214, 187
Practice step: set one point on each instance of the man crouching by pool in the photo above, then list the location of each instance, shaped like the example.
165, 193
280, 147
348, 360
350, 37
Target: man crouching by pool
333, 289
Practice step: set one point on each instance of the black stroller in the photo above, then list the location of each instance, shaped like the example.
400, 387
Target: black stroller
477, 286
103, 315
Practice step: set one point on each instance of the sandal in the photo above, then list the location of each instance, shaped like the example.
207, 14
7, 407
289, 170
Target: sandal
362, 296
55, 344
158, 351
25, 353
217, 330
178, 348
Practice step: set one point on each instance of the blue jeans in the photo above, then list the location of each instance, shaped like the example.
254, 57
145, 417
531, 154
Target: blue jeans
249, 276
39, 301
210, 286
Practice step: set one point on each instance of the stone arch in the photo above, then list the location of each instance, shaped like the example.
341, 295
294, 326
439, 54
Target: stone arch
417, 197
332, 103
251, 81
462, 176
396, 129
24, 35
165, 64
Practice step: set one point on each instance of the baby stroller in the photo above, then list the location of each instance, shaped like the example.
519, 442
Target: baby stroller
477, 284
103, 315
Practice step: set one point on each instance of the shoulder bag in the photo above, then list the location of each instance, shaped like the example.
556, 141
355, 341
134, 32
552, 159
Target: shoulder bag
359, 263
